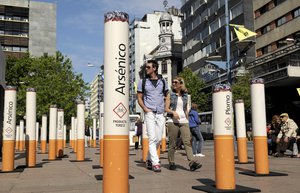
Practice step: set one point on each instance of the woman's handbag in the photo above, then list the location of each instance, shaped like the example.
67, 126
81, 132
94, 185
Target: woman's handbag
135, 139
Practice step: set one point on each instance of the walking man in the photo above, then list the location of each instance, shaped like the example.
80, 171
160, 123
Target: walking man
150, 94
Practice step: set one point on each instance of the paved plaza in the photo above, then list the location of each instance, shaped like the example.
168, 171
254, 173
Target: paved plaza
64, 176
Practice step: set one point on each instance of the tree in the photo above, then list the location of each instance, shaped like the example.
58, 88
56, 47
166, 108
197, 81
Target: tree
241, 90
54, 81
194, 85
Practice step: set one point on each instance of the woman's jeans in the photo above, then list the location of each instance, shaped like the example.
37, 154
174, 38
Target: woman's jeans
197, 140
174, 130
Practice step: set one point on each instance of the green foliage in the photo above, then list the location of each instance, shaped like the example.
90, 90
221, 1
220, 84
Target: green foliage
54, 81
194, 85
241, 90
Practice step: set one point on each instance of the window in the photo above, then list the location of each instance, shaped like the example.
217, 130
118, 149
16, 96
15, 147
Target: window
164, 67
277, 2
281, 21
222, 20
221, 3
265, 29
196, 5
205, 32
236, 11
189, 28
213, 8
214, 26
197, 21
297, 12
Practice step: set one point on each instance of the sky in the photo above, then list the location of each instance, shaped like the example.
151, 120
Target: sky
80, 28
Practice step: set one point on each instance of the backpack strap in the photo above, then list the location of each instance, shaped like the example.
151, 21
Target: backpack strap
143, 85
164, 82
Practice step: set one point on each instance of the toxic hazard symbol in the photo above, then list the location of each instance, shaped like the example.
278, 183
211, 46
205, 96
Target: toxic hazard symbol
8, 132
228, 121
120, 110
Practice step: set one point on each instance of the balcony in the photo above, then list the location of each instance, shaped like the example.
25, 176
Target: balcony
14, 19
13, 34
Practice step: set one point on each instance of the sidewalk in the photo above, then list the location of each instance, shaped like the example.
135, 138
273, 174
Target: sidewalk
71, 177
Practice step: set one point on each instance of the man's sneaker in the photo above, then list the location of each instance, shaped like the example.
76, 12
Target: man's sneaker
172, 166
148, 164
200, 155
194, 166
156, 168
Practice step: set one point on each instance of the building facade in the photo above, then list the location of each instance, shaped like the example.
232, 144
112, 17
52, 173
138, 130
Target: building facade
27, 26
96, 96
276, 23
145, 38
204, 37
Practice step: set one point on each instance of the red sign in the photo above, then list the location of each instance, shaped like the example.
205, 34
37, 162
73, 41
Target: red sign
120, 110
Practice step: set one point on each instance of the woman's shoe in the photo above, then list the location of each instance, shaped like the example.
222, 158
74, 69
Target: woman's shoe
172, 166
194, 166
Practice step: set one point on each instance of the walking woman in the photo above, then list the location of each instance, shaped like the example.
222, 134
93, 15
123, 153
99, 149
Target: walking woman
197, 139
176, 107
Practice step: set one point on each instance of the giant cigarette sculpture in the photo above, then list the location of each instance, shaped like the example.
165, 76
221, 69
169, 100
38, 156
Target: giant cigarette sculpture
116, 104
241, 131
9, 127
258, 108
44, 134
30, 127
52, 133
80, 154
223, 137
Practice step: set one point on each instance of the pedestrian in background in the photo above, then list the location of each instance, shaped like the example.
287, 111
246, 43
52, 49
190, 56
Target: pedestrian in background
87, 135
176, 107
139, 131
151, 94
197, 138
272, 134
287, 135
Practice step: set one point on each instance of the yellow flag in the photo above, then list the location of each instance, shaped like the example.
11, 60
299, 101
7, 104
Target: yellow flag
298, 89
242, 32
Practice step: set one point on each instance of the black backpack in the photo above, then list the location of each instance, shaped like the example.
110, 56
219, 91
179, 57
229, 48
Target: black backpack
159, 77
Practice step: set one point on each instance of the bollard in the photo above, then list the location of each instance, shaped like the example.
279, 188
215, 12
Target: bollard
116, 106
30, 127
60, 134
258, 108
241, 131
17, 145
65, 136
52, 133
164, 140
80, 155
75, 135
223, 137
90, 137
44, 134
71, 137
145, 142
9, 127
94, 132
72, 132
101, 128
37, 134
22, 138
